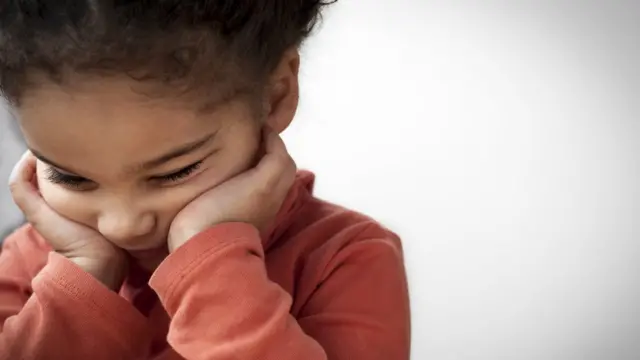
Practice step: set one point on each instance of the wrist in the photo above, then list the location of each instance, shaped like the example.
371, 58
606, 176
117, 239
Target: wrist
110, 271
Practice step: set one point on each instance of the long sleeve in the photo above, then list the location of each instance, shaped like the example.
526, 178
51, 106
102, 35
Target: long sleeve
62, 312
223, 306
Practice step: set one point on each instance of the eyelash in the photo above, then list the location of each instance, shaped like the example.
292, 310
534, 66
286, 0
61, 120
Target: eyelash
180, 174
72, 181
57, 177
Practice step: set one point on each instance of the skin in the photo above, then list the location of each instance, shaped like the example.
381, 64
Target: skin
102, 131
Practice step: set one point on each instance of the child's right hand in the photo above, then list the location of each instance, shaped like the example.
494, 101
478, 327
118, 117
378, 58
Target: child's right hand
82, 245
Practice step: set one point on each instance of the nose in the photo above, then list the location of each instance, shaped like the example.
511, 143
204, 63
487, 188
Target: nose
124, 225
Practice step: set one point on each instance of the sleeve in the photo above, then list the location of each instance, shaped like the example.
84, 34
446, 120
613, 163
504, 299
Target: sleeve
360, 310
223, 306
62, 312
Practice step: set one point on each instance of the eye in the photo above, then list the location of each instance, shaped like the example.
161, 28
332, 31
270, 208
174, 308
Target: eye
180, 174
70, 181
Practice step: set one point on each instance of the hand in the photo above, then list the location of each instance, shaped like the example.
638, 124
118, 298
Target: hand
253, 197
82, 245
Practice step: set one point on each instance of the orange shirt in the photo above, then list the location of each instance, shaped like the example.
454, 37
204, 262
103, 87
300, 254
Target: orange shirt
324, 283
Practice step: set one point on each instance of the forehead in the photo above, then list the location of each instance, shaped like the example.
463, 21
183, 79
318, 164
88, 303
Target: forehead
110, 122
102, 108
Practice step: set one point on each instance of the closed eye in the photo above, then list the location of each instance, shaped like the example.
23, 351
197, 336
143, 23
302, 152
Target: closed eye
75, 182
178, 175
71, 181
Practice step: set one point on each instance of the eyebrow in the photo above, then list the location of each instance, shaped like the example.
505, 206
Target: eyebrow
180, 151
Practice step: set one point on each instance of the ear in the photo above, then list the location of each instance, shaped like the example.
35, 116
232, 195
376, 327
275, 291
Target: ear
283, 92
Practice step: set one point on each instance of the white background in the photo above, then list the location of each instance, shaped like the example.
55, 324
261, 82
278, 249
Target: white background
500, 140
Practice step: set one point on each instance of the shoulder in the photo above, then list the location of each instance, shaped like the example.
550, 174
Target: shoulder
327, 235
314, 223
344, 252
344, 225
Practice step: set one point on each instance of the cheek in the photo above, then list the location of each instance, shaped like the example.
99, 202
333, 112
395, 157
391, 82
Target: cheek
69, 204
166, 203
176, 199
169, 202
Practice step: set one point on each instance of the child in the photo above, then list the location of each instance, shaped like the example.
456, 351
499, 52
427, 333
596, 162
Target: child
167, 220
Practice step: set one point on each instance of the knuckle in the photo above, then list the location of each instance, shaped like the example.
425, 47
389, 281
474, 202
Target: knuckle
281, 164
33, 217
16, 183
34, 221
291, 166
15, 188
267, 187
289, 170
14, 179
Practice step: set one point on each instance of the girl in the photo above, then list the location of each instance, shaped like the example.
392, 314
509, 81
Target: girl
166, 218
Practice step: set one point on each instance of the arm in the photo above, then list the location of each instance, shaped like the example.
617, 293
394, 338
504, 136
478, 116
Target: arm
16, 274
361, 309
62, 312
223, 306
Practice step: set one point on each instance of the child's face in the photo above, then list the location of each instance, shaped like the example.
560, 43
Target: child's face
105, 156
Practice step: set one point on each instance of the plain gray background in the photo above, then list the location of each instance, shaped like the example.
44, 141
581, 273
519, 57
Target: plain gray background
500, 139
11, 148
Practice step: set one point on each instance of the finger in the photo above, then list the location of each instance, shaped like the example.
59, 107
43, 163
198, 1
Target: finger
21, 183
276, 170
276, 159
57, 230
273, 142
28, 198
26, 166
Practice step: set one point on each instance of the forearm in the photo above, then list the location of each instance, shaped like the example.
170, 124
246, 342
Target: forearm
71, 315
222, 304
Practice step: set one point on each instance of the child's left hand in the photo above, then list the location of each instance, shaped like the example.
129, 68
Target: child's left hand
253, 197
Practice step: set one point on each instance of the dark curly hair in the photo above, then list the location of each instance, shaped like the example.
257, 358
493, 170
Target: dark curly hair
222, 47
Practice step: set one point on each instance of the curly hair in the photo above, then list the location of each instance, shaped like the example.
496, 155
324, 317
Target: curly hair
221, 47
